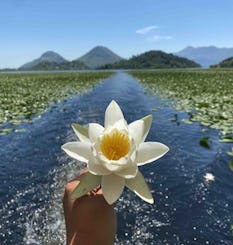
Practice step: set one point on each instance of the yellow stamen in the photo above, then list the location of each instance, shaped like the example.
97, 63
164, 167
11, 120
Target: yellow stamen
115, 145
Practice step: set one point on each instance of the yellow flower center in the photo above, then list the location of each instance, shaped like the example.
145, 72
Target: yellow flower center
115, 145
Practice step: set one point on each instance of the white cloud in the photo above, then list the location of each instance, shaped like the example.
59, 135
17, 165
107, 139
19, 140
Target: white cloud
146, 30
158, 37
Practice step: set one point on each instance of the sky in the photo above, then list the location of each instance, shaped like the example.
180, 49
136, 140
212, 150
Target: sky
71, 28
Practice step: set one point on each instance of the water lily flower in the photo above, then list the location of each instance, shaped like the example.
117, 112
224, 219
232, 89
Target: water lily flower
209, 177
113, 154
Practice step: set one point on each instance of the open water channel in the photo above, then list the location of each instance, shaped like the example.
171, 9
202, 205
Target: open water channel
188, 209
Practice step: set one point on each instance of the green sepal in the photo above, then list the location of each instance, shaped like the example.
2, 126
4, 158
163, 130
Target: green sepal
81, 132
87, 183
147, 122
139, 186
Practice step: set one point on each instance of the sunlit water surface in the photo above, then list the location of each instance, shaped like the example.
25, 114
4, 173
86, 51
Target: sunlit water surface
188, 209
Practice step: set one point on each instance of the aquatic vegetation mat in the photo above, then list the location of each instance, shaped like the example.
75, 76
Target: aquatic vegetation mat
207, 95
25, 95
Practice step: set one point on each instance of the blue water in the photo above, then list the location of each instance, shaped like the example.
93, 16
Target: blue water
187, 210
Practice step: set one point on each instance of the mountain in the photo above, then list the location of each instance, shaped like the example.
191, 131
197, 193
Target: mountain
227, 63
153, 60
48, 56
53, 61
50, 65
206, 56
99, 56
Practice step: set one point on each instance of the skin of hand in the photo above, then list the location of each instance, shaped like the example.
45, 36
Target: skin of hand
90, 220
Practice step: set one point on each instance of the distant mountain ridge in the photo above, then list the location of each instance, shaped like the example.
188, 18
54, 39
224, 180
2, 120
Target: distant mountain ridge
227, 63
206, 56
49, 56
153, 60
50, 65
99, 56
95, 58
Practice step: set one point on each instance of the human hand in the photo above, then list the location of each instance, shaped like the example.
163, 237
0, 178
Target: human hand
90, 220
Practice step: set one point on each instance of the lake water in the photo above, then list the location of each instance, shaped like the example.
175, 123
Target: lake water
187, 210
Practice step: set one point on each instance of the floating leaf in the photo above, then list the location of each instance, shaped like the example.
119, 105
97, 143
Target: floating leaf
20, 130
227, 139
205, 130
205, 94
187, 121
204, 142
5, 131
155, 109
230, 153
231, 165
22, 96
172, 119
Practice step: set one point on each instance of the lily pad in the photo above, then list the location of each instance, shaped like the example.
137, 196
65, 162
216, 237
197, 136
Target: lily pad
5, 131
187, 121
204, 142
206, 94
230, 153
231, 165
20, 130
227, 139
22, 96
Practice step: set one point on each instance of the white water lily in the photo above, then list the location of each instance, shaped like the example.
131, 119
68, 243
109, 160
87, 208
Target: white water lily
209, 177
113, 154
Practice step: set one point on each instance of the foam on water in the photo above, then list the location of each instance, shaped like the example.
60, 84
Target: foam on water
46, 224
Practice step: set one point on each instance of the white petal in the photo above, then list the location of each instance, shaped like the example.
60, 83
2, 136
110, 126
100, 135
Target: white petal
112, 187
95, 168
120, 125
129, 172
149, 152
140, 128
113, 114
94, 131
136, 131
114, 166
87, 183
81, 132
109, 165
78, 150
139, 186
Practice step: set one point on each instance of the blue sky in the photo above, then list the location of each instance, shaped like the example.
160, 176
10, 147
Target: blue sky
128, 27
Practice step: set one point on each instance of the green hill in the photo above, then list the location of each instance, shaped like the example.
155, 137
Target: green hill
47, 57
50, 65
95, 58
227, 63
153, 60
99, 56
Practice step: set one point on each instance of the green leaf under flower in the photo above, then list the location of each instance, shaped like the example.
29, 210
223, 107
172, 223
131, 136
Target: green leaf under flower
81, 131
139, 186
88, 182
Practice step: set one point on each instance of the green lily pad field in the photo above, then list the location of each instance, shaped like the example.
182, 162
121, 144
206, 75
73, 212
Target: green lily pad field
24, 95
207, 95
